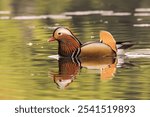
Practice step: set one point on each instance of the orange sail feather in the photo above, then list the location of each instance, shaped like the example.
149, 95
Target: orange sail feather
107, 38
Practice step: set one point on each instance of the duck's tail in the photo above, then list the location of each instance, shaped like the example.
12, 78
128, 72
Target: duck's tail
107, 38
124, 44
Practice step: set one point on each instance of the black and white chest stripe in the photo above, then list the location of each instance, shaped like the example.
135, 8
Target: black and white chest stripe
76, 53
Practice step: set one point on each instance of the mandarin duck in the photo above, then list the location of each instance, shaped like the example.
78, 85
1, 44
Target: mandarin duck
70, 46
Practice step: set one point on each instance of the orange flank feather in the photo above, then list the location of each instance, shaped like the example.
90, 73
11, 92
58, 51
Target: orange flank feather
108, 39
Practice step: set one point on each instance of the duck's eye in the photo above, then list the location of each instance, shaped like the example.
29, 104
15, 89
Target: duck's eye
59, 33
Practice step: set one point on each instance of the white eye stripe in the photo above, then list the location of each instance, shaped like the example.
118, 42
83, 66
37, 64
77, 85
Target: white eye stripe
63, 30
60, 31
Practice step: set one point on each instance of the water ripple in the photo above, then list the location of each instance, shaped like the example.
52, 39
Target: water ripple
142, 9
67, 15
142, 14
37, 17
5, 12
98, 12
141, 25
138, 53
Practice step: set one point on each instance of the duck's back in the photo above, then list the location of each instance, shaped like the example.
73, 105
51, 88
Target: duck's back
96, 49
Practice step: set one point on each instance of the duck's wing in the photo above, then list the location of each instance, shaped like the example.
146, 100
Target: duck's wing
90, 42
107, 38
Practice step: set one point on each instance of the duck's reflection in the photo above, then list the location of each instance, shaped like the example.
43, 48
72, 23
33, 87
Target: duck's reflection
69, 68
106, 65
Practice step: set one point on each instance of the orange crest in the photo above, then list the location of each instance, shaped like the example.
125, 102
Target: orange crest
108, 39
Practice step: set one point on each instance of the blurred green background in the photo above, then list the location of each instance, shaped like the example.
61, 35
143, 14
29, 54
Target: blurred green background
24, 51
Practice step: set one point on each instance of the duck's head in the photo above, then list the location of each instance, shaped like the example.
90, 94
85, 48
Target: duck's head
69, 45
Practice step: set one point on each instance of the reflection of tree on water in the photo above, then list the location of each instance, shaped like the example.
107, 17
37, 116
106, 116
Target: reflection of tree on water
69, 68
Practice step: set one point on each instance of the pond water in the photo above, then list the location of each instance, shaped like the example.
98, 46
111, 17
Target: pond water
27, 71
